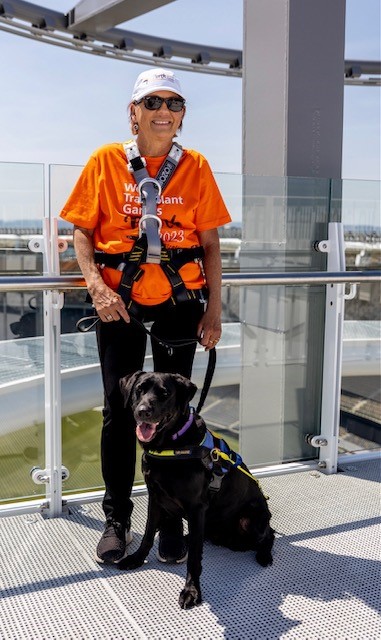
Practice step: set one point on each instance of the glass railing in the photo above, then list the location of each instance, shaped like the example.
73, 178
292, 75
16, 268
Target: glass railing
22, 431
360, 419
266, 392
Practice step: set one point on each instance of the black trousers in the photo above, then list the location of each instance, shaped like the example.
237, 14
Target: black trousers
122, 348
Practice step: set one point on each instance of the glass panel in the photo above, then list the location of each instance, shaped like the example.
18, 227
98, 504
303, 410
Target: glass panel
21, 213
282, 326
81, 386
62, 181
82, 402
360, 418
230, 241
22, 439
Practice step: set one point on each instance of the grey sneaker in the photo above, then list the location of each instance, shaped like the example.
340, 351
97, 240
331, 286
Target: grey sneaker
112, 545
173, 549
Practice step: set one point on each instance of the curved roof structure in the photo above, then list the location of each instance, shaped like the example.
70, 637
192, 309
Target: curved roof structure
90, 28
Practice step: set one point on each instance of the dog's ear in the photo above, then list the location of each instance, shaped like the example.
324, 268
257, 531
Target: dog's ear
185, 389
127, 384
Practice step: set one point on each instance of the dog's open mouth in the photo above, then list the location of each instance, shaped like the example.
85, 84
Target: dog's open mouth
145, 431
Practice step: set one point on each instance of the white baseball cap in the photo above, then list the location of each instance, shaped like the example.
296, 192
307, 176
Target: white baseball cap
155, 80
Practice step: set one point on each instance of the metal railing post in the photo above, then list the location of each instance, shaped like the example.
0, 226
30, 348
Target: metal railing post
53, 303
328, 439
51, 475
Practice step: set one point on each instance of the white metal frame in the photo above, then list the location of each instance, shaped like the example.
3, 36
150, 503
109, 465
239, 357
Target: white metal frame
53, 303
53, 473
333, 348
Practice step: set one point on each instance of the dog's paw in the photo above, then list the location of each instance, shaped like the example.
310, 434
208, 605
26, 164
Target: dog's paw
190, 597
264, 558
134, 561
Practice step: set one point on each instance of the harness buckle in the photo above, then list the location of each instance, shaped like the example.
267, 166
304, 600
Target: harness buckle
130, 167
214, 454
152, 181
146, 216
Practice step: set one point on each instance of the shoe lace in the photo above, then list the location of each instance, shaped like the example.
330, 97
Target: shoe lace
114, 528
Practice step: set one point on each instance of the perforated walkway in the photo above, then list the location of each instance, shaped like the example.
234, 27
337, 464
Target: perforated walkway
324, 583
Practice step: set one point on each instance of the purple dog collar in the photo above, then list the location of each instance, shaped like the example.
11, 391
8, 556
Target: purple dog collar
186, 425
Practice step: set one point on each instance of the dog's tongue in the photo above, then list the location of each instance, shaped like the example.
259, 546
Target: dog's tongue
145, 431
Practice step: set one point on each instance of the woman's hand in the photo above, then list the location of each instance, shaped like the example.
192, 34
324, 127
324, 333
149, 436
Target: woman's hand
209, 328
107, 303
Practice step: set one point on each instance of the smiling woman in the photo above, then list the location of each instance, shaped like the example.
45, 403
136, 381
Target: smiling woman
145, 215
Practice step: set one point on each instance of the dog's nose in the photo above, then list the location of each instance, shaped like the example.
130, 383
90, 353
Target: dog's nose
144, 412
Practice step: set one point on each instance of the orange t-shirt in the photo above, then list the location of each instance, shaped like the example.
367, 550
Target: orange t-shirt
106, 200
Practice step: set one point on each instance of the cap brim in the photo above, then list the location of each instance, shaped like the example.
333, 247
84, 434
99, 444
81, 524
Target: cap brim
149, 91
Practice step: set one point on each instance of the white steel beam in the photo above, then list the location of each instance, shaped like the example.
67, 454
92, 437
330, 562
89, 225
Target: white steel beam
100, 15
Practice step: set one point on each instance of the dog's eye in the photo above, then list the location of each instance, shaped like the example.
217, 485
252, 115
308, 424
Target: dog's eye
164, 393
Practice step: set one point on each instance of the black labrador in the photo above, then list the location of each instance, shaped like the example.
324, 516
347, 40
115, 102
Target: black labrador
189, 473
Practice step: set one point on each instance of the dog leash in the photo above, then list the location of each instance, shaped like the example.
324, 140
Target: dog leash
168, 344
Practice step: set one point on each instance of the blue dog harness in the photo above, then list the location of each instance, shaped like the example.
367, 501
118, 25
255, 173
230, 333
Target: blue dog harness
214, 452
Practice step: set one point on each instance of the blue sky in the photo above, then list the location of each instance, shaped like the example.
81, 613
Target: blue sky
57, 106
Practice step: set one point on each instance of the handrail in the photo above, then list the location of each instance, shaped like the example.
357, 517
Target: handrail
65, 283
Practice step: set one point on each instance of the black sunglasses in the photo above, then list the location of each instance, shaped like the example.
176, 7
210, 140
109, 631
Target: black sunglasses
153, 103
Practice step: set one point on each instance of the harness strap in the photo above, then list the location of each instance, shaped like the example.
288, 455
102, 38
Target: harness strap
215, 454
220, 449
169, 165
171, 260
149, 223
150, 190
197, 451
178, 257
137, 165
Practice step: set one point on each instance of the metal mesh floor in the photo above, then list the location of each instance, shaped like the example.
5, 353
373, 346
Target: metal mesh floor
324, 583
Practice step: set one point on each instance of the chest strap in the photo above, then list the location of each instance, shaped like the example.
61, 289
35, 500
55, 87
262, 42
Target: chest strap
150, 191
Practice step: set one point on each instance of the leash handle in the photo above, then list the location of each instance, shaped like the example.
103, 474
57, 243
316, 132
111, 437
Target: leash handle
82, 327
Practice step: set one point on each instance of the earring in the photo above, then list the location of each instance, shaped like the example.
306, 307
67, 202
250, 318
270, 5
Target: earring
135, 127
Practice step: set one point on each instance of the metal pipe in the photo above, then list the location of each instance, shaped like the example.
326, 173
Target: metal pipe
66, 283
297, 278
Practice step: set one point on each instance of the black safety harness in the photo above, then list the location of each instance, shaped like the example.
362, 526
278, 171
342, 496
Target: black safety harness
148, 248
171, 261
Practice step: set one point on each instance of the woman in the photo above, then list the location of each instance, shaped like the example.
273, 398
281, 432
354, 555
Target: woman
106, 210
